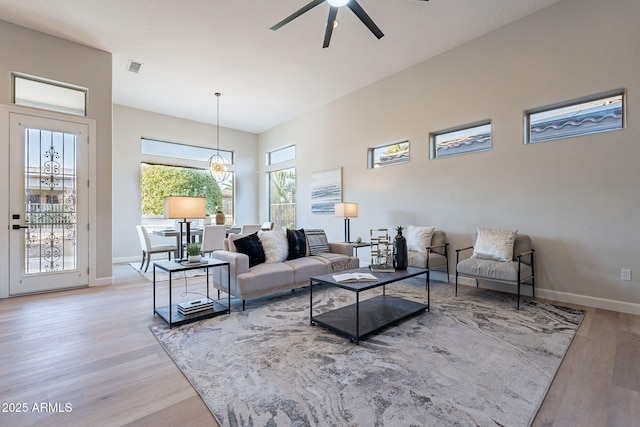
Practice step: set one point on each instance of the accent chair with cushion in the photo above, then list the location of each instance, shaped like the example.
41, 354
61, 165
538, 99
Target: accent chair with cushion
427, 248
148, 249
502, 256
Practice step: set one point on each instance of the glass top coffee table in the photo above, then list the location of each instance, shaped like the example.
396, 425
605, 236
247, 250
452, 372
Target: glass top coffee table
371, 315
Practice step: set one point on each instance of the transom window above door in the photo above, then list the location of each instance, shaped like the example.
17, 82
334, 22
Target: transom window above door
49, 95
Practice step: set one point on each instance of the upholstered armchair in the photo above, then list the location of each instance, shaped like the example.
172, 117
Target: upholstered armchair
427, 248
499, 256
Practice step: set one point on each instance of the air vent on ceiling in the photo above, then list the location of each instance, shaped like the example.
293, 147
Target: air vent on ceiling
134, 66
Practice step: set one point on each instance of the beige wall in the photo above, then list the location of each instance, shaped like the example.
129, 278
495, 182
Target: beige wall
578, 198
129, 125
31, 52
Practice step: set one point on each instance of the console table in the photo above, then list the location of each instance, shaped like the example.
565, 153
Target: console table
170, 313
367, 317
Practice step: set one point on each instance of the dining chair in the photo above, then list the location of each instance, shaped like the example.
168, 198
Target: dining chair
250, 228
267, 226
213, 238
148, 249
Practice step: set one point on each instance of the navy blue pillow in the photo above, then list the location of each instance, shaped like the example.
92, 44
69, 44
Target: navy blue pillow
250, 245
297, 243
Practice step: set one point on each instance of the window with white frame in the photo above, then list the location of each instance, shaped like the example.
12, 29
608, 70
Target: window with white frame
388, 154
470, 138
593, 114
281, 155
185, 167
174, 150
49, 95
282, 197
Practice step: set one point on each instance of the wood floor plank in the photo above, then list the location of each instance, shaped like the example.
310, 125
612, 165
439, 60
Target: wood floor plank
626, 372
92, 348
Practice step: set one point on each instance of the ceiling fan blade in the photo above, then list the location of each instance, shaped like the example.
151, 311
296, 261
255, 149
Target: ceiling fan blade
366, 20
333, 12
294, 15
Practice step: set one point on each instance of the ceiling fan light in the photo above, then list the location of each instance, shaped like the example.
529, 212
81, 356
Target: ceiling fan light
337, 3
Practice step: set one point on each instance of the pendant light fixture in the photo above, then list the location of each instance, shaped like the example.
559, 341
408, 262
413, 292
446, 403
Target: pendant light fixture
218, 165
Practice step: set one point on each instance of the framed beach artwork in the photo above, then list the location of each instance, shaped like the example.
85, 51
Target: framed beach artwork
326, 190
465, 139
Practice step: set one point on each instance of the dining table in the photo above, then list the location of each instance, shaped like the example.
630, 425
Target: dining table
195, 234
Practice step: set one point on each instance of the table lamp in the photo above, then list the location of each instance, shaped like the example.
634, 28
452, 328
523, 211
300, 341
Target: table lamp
348, 211
183, 207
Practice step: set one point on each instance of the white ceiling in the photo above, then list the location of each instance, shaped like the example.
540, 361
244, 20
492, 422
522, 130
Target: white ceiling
192, 48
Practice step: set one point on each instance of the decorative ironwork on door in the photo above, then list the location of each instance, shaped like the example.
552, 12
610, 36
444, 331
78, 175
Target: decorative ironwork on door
50, 208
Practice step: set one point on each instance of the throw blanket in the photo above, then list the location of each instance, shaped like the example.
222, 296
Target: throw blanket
319, 246
338, 262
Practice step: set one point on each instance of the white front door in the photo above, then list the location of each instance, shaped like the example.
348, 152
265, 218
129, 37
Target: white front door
48, 202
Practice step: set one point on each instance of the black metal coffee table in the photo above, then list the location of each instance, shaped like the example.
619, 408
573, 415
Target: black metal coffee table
367, 317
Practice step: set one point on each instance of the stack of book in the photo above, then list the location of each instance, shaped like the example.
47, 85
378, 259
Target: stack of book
382, 268
192, 307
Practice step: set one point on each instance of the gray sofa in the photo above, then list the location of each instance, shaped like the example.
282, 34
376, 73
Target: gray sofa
269, 277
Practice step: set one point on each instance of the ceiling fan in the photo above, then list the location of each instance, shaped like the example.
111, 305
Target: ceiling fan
334, 5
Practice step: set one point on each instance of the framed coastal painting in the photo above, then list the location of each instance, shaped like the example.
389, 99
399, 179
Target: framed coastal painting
326, 190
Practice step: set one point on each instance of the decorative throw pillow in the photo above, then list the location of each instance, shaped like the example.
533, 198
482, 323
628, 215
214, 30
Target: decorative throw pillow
275, 246
418, 238
297, 243
495, 245
250, 246
318, 243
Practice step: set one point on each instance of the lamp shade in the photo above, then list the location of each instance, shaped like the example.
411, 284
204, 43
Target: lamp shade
183, 207
346, 210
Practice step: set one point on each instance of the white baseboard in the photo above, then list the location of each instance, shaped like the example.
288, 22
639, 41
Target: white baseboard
589, 301
558, 296
103, 281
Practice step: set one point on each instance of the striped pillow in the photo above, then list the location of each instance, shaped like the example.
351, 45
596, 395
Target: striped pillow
317, 240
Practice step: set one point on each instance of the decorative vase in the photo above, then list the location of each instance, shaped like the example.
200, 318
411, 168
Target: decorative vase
193, 258
400, 255
220, 218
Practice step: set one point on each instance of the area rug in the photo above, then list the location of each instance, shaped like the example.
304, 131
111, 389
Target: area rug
473, 360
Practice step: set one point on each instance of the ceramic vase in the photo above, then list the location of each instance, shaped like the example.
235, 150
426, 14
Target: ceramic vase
400, 255
220, 218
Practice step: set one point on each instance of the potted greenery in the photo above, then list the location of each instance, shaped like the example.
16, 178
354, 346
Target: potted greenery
193, 252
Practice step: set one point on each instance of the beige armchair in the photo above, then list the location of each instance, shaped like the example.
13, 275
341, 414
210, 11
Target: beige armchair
435, 256
509, 261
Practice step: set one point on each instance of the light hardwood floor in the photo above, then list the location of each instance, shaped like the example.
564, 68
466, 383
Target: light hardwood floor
92, 348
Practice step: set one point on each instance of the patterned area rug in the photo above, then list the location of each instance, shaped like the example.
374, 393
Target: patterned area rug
471, 361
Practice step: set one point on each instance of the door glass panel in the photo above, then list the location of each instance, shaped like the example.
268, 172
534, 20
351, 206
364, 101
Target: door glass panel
50, 209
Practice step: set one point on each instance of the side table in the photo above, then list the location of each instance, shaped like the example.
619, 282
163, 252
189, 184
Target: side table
170, 313
356, 245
